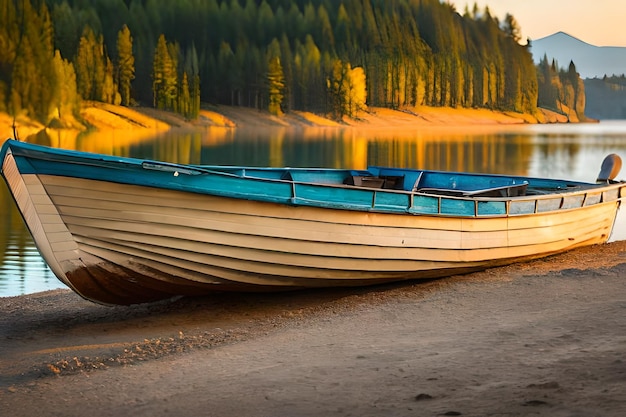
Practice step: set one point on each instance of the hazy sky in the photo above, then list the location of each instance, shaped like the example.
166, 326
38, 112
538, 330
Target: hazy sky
598, 22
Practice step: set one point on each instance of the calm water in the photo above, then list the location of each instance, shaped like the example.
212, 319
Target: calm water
558, 151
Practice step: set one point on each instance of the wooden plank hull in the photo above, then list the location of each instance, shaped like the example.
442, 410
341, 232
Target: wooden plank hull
120, 243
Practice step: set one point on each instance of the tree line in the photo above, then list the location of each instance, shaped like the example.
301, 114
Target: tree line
605, 97
561, 90
325, 56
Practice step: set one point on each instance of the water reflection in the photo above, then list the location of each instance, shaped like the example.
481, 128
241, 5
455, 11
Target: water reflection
22, 270
563, 151
496, 151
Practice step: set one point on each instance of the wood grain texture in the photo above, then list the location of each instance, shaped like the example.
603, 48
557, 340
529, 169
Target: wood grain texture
123, 244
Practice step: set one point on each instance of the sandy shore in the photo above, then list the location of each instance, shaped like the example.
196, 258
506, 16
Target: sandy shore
102, 119
544, 338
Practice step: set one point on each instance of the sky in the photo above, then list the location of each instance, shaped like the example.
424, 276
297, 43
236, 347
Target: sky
597, 22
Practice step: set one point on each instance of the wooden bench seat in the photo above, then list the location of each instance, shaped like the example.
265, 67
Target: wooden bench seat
502, 191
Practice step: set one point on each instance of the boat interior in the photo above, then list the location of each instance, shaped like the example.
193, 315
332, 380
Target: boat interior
441, 183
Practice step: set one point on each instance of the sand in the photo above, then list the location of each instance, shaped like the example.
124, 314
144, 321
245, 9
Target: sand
543, 338
104, 120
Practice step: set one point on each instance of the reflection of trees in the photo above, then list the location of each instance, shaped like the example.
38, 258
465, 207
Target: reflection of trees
315, 147
15, 232
454, 149
340, 148
490, 153
561, 154
20, 264
556, 157
5, 220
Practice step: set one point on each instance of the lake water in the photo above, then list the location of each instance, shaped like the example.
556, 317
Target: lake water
573, 151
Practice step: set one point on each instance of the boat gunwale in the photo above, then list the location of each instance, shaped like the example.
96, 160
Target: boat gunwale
573, 188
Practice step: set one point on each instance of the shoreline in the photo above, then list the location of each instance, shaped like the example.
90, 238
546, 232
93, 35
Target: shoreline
102, 118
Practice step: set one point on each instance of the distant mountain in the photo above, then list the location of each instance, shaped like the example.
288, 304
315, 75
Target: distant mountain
591, 61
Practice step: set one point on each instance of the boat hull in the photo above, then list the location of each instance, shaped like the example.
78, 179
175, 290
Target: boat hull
119, 243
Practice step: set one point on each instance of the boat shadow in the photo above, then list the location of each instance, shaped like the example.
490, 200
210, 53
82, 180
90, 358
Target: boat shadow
56, 332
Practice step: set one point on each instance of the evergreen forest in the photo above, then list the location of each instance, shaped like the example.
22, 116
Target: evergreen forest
326, 56
606, 97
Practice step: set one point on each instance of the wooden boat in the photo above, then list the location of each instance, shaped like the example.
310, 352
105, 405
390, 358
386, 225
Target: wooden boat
122, 231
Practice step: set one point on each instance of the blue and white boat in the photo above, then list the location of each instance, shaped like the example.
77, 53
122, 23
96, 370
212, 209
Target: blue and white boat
123, 231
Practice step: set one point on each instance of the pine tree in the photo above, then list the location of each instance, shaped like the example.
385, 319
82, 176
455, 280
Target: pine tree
42, 36
110, 93
337, 87
66, 99
125, 64
287, 63
310, 76
66, 29
225, 66
357, 93
91, 67
184, 97
326, 36
193, 72
276, 82
22, 80
26, 70
164, 77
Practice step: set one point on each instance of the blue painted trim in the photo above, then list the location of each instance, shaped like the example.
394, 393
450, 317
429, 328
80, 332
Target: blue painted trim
294, 186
